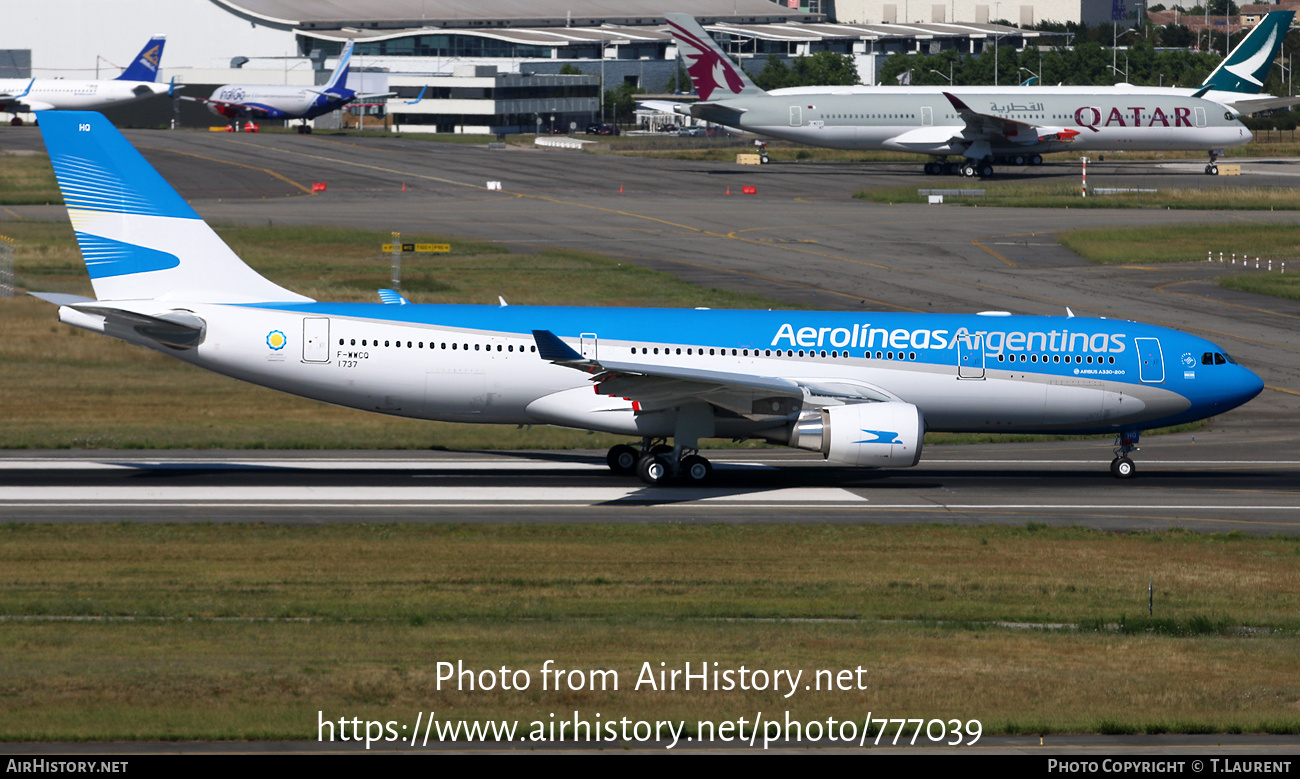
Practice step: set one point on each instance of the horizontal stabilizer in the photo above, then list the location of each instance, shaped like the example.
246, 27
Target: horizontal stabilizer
392, 297
61, 299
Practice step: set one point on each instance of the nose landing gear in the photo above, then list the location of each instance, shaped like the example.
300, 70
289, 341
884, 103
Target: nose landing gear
1122, 467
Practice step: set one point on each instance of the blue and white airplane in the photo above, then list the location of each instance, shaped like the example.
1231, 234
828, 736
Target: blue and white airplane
261, 101
862, 388
136, 82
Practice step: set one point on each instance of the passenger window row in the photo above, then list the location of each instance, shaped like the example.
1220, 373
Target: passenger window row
442, 345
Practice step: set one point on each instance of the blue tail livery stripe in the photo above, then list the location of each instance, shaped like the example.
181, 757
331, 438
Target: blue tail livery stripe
106, 257
106, 173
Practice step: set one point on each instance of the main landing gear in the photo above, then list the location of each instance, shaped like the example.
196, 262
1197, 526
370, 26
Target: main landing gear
659, 463
1122, 467
981, 168
304, 128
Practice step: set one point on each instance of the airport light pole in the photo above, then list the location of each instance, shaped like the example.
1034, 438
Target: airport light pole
1032, 73
949, 76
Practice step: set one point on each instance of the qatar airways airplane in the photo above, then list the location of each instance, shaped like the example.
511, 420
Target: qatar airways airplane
137, 81
861, 388
977, 125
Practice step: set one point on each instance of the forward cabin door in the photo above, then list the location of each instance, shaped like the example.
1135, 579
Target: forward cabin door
316, 339
796, 116
1152, 370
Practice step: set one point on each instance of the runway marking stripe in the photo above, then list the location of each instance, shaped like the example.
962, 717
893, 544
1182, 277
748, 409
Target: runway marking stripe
396, 495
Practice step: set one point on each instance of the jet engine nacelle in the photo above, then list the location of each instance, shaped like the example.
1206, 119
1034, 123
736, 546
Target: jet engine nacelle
878, 435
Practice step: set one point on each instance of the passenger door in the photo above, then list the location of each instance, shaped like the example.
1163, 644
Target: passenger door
1152, 368
970, 359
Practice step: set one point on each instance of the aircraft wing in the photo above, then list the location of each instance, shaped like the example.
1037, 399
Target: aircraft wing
1254, 105
666, 106
663, 386
989, 127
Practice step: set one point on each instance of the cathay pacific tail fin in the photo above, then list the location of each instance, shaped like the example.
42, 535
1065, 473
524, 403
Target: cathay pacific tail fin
140, 240
145, 65
1246, 67
712, 72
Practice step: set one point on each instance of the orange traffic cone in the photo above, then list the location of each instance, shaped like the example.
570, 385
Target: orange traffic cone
728, 189
403, 186
620, 189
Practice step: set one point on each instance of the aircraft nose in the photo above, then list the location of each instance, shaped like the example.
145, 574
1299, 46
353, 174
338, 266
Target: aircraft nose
1244, 385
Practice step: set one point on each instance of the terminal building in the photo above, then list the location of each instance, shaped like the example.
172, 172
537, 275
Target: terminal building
462, 65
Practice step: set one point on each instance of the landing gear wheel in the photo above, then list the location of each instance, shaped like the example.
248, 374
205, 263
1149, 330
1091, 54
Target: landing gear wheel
985, 170
696, 469
968, 170
1037, 159
1122, 468
929, 168
652, 469
1018, 160
622, 459
1211, 170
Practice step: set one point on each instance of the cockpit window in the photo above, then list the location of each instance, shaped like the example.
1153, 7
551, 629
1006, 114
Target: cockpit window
1219, 359
1228, 357
1207, 358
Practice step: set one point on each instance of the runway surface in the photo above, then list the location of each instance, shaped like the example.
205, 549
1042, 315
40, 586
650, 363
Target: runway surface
803, 239
1220, 487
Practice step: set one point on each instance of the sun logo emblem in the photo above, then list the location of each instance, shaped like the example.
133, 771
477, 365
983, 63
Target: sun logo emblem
276, 340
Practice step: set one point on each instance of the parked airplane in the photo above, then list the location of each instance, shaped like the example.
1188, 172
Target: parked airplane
260, 101
1236, 83
980, 124
862, 388
137, 81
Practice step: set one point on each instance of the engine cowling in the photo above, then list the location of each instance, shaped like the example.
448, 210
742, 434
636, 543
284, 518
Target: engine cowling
878, 435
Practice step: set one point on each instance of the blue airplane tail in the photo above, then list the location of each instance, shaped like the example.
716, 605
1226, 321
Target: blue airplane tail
139, 238
145, 65
339, 79
1246, 67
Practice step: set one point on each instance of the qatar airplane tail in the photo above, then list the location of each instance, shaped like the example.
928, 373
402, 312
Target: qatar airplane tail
145, 65
1245, 69
139, 239
712, 72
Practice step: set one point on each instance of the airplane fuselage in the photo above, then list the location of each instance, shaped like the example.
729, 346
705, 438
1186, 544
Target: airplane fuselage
75, 94
480, 364
924, 121
274, 102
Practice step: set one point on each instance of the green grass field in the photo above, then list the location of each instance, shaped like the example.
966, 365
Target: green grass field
1189, 243
247, 631
27, 179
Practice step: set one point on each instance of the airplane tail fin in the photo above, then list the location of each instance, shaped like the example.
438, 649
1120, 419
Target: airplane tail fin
145, 65
1246, 67
711, 70
339, 79
139, 239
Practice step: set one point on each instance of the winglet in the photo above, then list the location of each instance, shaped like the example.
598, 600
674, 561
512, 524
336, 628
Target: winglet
550, 347
956, 102
1201, 92
392, 297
